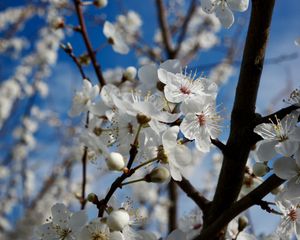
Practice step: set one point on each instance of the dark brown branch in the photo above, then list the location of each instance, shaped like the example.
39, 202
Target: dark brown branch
184, 27
279, 114
102, 204
243, 115
218, 144
164, 27
173, 207
192, 193
83, 183
243, 204
264, 205
88, 44
68, 50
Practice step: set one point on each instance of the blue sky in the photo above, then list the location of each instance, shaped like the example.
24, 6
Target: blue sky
284, 30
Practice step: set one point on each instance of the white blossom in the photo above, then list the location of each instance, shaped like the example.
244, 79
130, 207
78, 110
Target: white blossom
115, 38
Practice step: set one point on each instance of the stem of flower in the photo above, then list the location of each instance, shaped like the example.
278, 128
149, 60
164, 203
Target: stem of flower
145, 163
133, 181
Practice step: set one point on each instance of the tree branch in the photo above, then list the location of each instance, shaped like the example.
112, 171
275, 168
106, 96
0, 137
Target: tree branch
68, 50
243, 114
191, 192
88, 44
164, 27
173, 207
243, 204
184, 27
280, 114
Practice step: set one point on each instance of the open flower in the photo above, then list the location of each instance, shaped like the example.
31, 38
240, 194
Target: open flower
290, 221
281, 137
287, 168
98, 230
224, 8
150, 106
178, 155
115, 38
64, 225
182, 86
83, 100
201, 122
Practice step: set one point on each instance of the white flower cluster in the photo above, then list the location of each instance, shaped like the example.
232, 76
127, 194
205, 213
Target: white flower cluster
281, 138
223, 9
115, 226
118, 118
125, 31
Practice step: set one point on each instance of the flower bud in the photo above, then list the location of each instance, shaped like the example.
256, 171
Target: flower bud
260, 169
92, 197
142, 119
130, 73
100, 3
161, 155
57, 23
242, 222
117, 220
277, 190
115, 161
158, 175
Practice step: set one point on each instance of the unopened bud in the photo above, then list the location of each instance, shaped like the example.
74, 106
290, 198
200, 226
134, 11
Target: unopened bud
161, 155
84, 59
260, 169
143, 119
92, 197
117, 220
100, 3
57, 23
158, 175
242, 222
115, 161
130, 73
277, 190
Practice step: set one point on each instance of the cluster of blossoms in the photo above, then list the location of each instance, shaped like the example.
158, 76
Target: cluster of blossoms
223, 9
125, 31
180, 111
281, 143
148, 125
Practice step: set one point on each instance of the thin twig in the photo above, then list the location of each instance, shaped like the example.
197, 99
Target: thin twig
88, 44
242, 118
164, 27
243, 204
280, 114
68, 50
191, 192
184, 27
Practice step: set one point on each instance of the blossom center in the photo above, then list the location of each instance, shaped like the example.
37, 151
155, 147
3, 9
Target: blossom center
185, 90
293, 215
99, 236
201, 119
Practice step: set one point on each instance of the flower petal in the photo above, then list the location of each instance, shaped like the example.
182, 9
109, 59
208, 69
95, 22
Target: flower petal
238, 5
285, 168
169, 137
265, 150
77, 220
225, 16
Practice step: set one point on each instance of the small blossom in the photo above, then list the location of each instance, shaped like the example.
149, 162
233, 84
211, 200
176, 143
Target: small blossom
115, 38
83, 99
118, 220
281, 137
64, 224
290, 221
201, 122
223, 9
